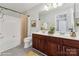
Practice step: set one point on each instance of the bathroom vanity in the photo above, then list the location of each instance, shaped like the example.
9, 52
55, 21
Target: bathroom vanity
54, 45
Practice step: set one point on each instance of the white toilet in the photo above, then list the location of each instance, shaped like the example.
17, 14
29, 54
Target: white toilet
27, 42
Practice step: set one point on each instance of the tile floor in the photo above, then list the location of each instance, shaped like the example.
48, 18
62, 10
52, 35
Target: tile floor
19, 51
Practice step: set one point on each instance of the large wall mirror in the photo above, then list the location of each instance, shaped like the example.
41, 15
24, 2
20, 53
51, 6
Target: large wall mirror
63, 17
61, 23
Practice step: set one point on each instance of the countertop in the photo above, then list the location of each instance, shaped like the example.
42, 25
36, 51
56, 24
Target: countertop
67, 36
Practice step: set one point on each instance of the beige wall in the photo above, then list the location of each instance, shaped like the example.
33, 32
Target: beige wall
24, 27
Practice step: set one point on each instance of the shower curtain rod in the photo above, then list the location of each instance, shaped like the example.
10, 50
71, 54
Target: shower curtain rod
11, 10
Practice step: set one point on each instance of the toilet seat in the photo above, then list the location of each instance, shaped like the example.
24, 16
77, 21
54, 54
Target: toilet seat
27, 39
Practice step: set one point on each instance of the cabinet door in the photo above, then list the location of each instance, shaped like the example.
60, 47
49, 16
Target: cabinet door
43, 44
52, 49
70, 51
54, 46
34, 41
40, 43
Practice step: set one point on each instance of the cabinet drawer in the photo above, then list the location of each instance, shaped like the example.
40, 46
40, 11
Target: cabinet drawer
72, 43
36, 36
54, 40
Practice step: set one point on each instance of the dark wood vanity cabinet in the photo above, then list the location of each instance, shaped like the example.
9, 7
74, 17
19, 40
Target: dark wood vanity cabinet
71, 47
40, 43
55, 46
70, 51
46, 44
52, 49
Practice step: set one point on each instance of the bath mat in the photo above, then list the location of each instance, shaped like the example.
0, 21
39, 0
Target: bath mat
32, 53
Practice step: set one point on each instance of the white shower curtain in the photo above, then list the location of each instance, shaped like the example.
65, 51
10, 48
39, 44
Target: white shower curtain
10, 33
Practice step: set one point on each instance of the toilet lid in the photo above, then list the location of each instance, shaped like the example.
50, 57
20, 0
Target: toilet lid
27, 39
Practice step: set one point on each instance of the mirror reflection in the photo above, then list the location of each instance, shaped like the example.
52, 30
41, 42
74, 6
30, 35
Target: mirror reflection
63, 17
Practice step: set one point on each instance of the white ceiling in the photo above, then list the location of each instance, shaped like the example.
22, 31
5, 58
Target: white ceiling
20, 7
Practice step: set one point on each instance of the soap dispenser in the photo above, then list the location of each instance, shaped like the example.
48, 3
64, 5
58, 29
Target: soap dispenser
72, 33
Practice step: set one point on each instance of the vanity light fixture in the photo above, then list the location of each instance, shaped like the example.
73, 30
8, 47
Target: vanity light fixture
60, 4
46, 8
52, 5
55, 5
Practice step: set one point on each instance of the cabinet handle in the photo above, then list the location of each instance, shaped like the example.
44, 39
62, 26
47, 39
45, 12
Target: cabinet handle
64, 51
58, 47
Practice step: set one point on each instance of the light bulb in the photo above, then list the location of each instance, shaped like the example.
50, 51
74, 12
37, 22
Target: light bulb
46, 8
60, 4
55, 5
